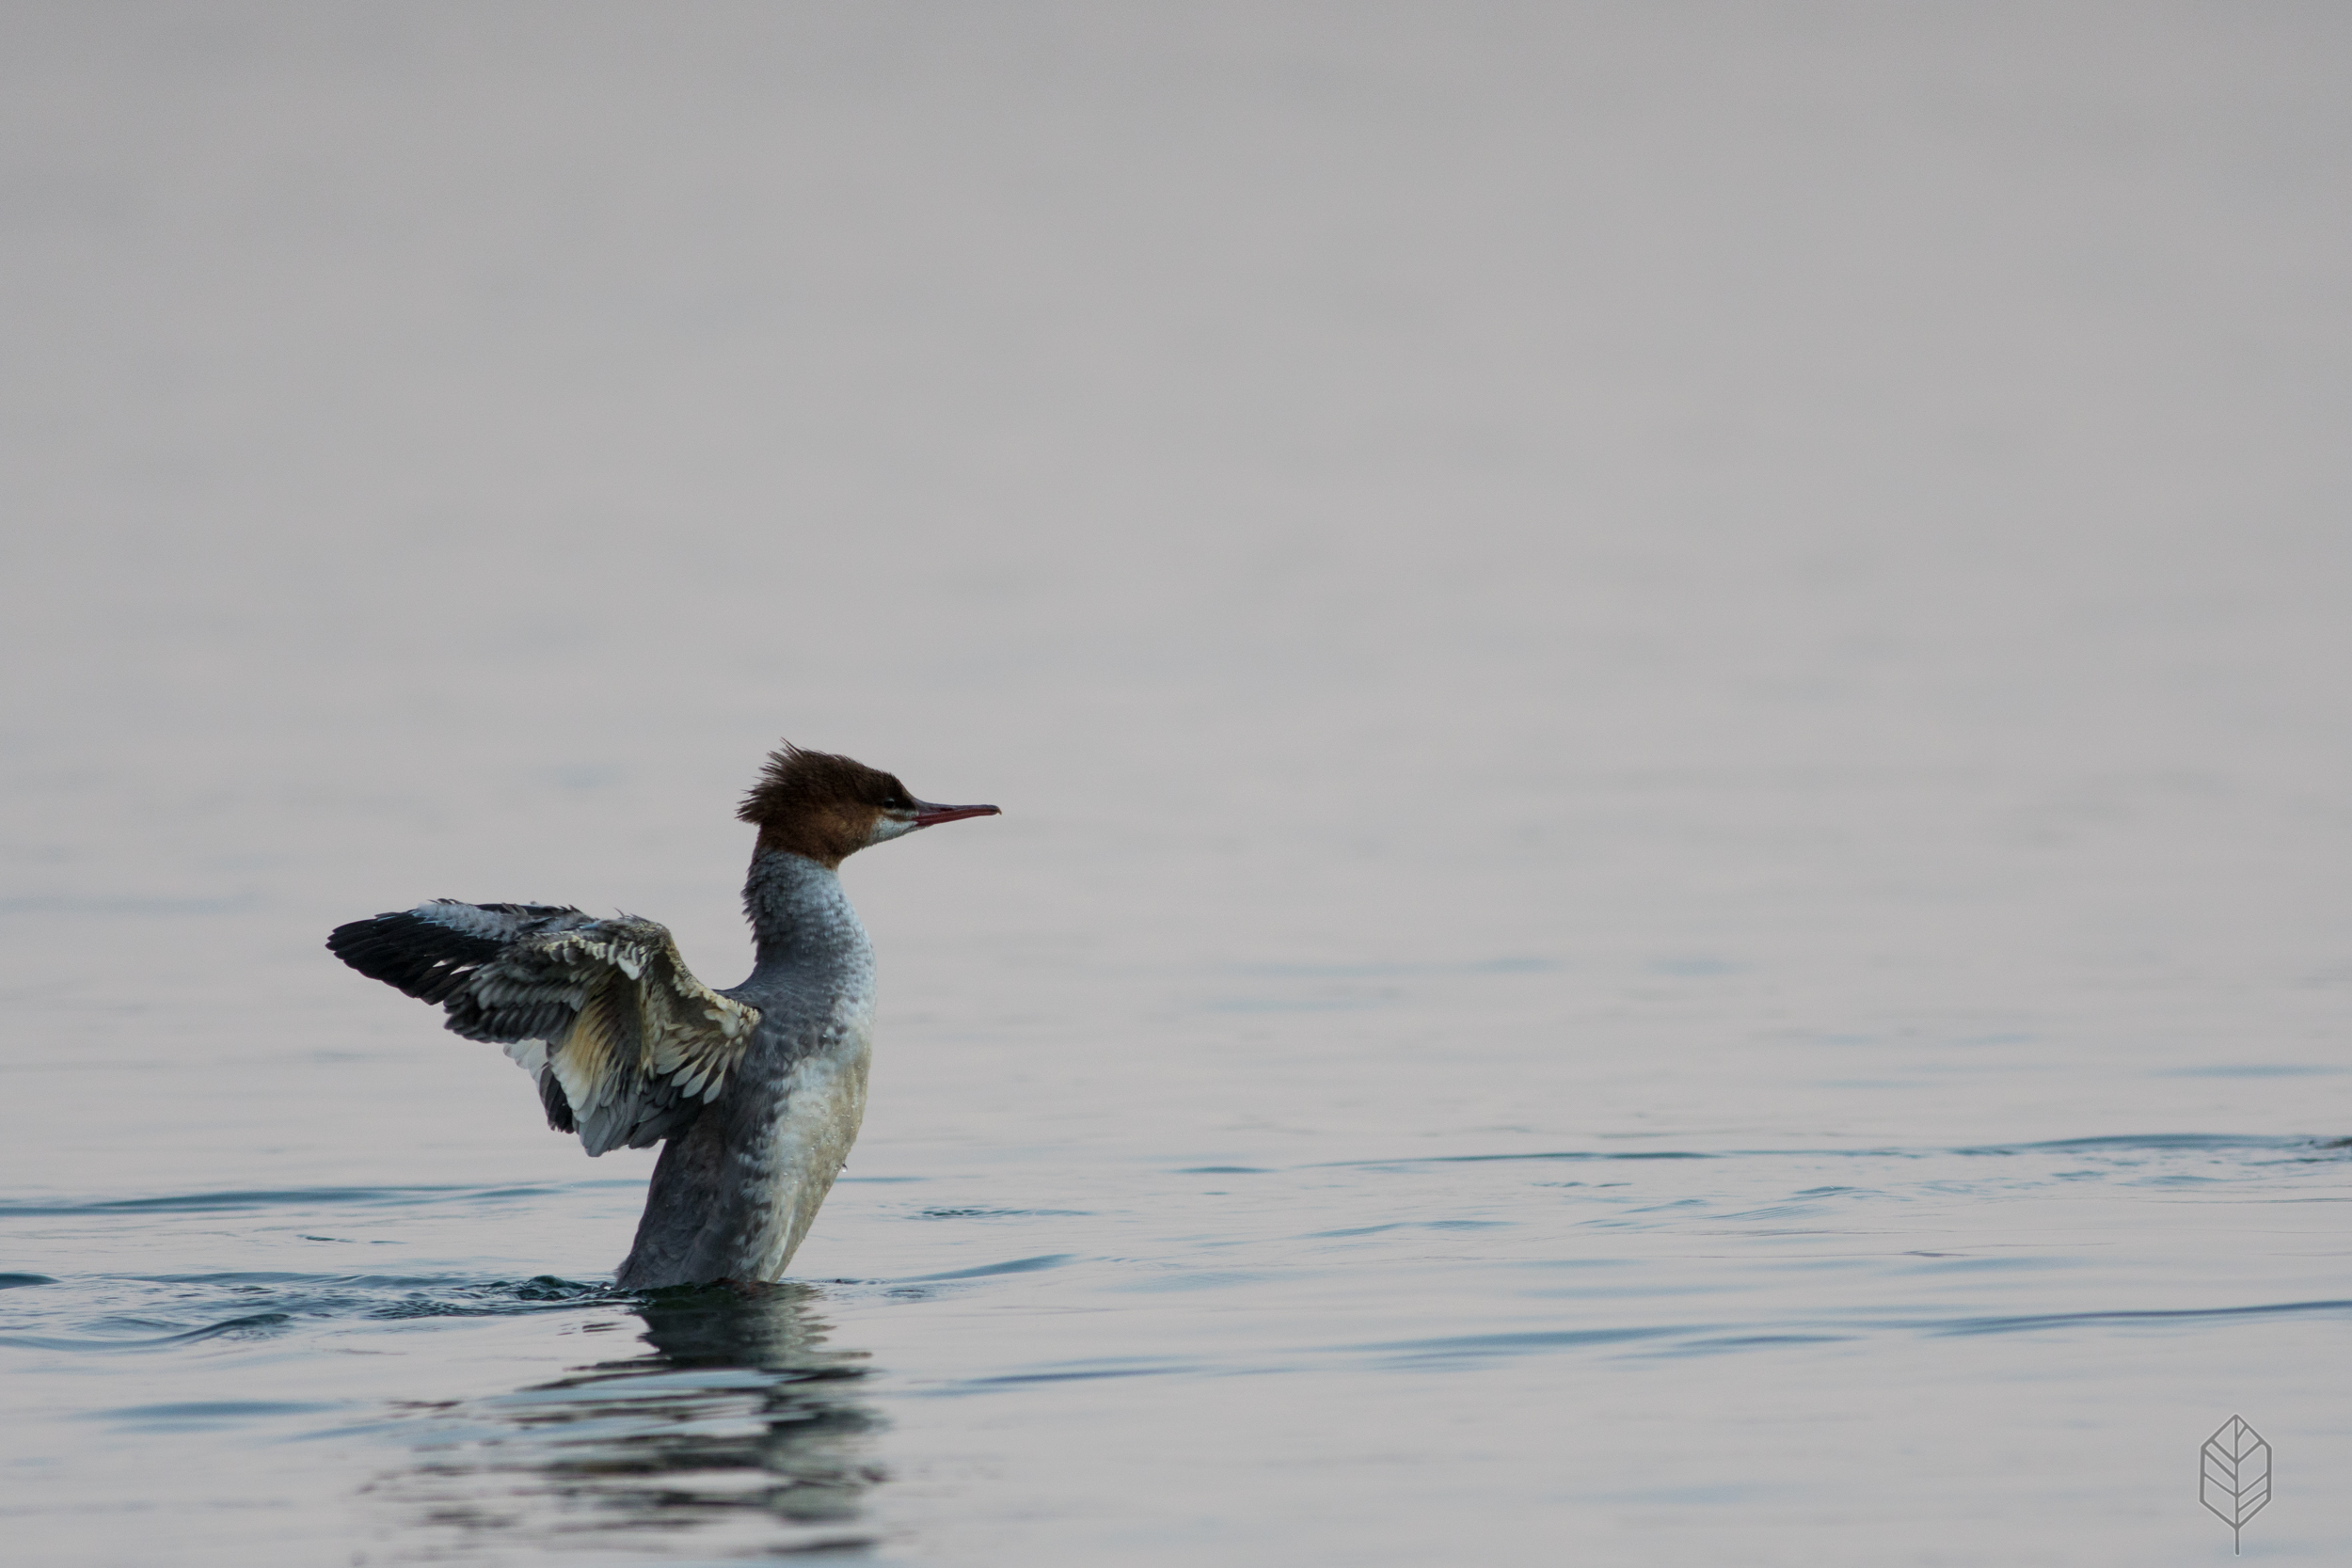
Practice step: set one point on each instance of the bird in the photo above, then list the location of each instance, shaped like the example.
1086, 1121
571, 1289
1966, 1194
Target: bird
755, 1093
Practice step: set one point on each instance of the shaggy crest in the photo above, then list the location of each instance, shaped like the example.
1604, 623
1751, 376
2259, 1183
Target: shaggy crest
818, 804
796, 780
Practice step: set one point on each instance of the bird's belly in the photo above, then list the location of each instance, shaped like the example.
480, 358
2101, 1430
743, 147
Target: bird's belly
824, 1104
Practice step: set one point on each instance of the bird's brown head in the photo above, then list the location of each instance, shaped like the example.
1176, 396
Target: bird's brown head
828, 807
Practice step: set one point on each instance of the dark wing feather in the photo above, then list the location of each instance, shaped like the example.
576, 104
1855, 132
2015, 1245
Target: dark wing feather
625, 1043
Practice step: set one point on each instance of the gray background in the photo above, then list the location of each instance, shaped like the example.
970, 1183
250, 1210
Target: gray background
1738, 576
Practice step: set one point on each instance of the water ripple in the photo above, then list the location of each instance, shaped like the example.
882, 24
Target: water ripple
289, 1197
2125, 1318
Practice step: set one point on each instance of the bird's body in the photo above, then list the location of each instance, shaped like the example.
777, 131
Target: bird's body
756, 1092
733, 1195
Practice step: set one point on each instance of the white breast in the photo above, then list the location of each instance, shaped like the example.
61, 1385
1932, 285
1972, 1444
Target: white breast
823, 1106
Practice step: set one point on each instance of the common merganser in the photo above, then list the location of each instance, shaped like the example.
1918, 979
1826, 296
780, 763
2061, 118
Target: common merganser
756, 1093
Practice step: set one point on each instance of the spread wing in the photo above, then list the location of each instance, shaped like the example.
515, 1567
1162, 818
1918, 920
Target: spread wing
626, 1044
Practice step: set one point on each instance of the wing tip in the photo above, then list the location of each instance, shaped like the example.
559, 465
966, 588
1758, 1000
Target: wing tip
555, 1103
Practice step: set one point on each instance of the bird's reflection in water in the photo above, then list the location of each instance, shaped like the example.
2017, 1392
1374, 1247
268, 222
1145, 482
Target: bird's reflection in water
740, 1428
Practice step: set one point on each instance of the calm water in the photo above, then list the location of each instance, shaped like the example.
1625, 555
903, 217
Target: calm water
1670, 694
